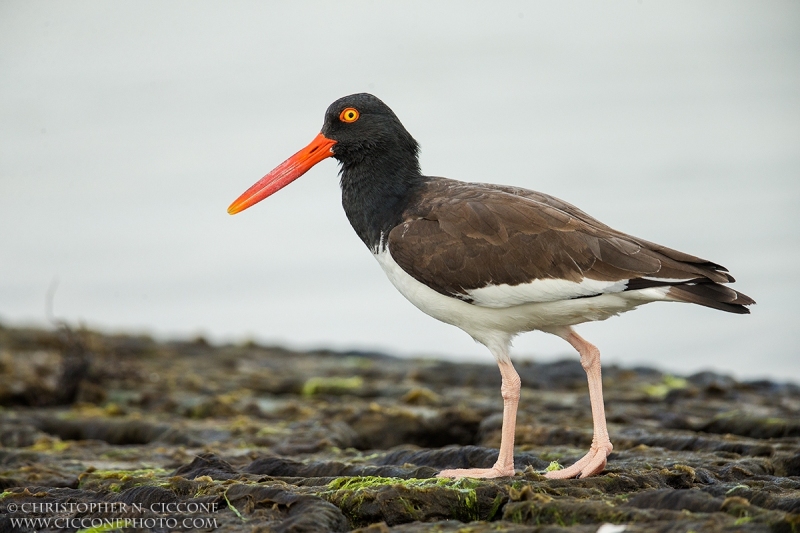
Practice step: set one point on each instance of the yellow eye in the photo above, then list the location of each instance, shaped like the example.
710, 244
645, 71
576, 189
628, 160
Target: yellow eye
350, 114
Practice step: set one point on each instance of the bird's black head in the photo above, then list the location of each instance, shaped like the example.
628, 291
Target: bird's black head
365, 128
368, 140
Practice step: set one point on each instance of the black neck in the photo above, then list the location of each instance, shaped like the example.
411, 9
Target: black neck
376, 191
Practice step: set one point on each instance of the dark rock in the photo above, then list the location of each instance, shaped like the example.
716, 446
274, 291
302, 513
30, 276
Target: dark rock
367, 500
147, 496
386, 428
694, 442
207, 464
792, 465
712, 382
120, 432
266, 439
282, 467
7, 483
292, 512
748, 426
692, 500
457, 457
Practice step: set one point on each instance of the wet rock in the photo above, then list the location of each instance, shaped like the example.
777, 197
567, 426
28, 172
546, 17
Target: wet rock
147, 496
749, 426
310, 436
792, 465
457, 457
283, 467
373, 499
207, 464
694, 442
110, 431
692, 500
385, 427
19, 433
712, 382
7, 482
288, 511
44, 369
264, 439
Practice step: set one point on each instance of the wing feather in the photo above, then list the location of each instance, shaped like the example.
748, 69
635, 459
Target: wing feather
459, 237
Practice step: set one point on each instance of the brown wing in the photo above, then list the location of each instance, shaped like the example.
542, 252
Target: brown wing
462, 236
591, 221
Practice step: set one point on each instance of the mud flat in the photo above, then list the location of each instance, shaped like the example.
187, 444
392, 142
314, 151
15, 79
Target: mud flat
101, 432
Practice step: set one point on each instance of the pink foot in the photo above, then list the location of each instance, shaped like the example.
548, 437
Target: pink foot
591, 464
482, 473
504, 467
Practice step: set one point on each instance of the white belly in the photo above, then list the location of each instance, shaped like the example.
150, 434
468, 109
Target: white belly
495, 324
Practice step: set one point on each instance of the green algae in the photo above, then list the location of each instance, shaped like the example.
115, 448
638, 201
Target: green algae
363, 482
331, 385
454, 497
496, 503
111, 526
550, 455
118, 480
565, 513
49, 444
361, 363
411, 510
553, 466
668, 384
269, 430
232, 507
735, 488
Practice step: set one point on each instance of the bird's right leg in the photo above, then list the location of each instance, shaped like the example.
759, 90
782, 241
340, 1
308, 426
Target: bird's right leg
594, 462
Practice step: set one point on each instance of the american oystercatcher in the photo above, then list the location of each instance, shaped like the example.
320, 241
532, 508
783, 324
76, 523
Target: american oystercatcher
494, 260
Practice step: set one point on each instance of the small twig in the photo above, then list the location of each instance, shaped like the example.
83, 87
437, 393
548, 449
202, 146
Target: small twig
48, 305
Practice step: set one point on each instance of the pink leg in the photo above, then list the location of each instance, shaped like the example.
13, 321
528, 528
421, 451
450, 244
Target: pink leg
505, 460
594, 461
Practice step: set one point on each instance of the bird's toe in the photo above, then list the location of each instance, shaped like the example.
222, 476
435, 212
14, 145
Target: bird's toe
481, 473
591, 464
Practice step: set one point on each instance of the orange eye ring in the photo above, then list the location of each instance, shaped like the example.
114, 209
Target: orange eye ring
349, 115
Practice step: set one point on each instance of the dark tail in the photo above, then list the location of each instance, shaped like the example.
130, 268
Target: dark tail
710, 294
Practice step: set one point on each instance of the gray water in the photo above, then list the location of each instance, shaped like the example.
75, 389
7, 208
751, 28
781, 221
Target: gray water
126, 129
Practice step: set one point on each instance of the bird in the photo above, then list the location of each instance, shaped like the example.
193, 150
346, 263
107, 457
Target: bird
494, 260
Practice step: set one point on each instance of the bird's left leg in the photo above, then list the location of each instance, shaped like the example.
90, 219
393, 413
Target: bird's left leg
504, 467
593, 462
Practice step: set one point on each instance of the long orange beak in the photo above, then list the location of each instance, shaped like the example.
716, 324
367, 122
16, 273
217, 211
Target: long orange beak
285, 173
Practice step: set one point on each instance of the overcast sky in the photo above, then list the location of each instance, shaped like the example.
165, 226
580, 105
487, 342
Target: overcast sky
126, 129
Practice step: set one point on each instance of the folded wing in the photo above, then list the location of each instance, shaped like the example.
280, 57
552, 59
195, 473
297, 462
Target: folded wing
497, 246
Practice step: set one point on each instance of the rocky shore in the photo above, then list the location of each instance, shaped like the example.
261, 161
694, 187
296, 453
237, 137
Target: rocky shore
108, 432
